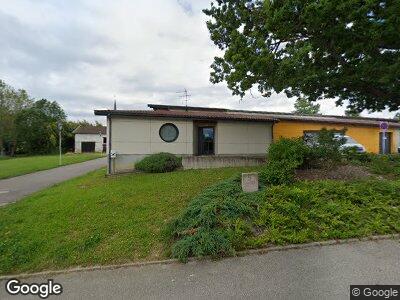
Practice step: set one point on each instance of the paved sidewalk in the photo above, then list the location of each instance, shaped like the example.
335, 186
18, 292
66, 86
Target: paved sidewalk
311, 273
13, 189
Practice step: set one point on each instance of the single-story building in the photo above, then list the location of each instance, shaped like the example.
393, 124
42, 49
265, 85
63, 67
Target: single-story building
212, 137
90, 138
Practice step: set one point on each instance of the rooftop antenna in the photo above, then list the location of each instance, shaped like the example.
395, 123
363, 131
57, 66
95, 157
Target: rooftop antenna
115, 103
185, 96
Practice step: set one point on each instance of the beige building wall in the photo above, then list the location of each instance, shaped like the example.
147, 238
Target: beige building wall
133, 138
141, 136
242, 138
96, 138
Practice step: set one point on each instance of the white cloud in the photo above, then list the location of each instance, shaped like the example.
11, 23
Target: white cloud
82, 53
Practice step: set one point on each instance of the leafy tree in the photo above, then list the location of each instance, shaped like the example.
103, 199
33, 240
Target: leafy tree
98, 124
50, 109
351, 113
349, 50
37, 127
305, 107
11, 103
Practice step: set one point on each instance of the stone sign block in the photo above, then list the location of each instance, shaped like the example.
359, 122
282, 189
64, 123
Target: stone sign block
250, 182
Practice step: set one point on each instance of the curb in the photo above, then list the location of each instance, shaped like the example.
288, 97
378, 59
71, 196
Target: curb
192, 259
317, 244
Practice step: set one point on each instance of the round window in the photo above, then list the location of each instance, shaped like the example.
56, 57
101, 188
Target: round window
169, 132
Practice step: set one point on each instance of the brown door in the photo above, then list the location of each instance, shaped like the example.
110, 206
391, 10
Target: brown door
88, 147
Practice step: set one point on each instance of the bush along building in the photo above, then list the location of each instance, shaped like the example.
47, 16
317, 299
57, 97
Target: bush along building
216, 137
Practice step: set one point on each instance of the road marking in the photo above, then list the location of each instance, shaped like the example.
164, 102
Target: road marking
4, 192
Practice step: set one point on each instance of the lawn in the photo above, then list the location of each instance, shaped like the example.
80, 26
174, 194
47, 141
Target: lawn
98, 220
10, 167
103, 220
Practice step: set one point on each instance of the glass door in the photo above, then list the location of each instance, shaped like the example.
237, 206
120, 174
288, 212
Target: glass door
385, 142
206, 141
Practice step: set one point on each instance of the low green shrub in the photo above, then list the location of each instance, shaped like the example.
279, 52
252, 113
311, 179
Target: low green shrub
213, 222
284, 157
376, 163
320, 150
394, 157
352, 155
159, 163
288, 149
324, 149
322, 210
384, 165
279, 172
223, 220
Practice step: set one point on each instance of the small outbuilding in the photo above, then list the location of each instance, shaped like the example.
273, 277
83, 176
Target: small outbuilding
90, 138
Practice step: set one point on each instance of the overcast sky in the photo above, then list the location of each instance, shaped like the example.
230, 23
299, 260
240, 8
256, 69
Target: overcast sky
83, 53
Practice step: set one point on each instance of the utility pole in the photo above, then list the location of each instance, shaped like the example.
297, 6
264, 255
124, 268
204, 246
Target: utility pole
59, 125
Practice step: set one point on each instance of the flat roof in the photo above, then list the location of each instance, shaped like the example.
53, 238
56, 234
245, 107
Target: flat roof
187, 114
208, 113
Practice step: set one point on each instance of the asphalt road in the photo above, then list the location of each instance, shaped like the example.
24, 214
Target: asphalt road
13, 189
313, 273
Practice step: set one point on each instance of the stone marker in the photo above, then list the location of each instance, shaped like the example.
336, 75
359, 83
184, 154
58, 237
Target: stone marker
250, 182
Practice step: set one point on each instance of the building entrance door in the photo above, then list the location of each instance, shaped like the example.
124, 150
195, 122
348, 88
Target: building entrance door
206, 141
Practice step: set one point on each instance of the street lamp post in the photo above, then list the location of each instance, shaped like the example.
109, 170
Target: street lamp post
59, 125
101, 138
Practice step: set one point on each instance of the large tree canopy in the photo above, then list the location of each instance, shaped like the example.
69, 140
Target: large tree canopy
344, 49
37, 127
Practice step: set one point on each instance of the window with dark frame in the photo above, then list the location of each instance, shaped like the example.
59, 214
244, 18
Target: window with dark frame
169, 132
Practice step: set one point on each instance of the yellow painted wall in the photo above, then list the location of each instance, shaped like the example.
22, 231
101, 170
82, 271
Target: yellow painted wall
367, 136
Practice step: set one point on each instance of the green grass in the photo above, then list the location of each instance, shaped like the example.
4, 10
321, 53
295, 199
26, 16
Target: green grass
222, 219
109, 220
11, 167
97, 220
